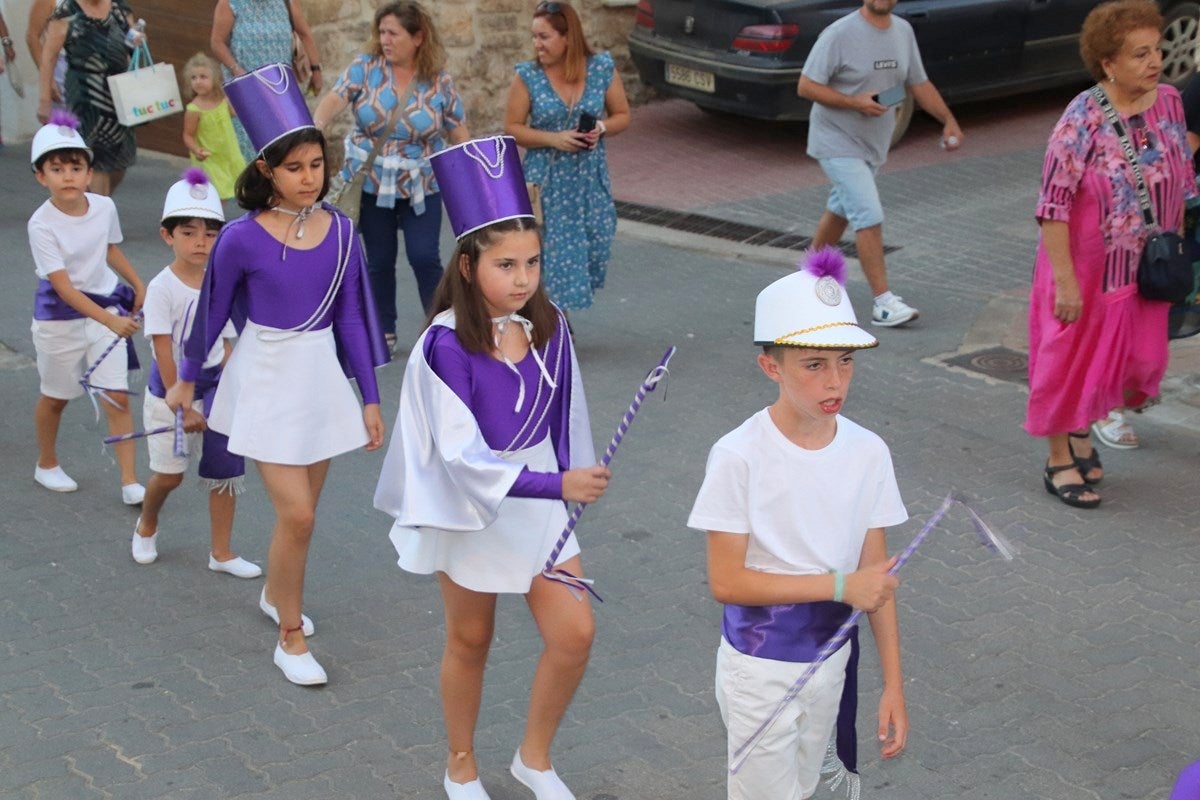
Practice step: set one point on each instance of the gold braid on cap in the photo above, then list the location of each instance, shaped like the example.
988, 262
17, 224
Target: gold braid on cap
783, 340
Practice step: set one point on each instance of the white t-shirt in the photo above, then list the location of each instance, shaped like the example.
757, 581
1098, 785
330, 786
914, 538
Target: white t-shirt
806, 511
77, 244
170, 309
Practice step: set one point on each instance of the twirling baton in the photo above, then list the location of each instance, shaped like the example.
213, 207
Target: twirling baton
987, 536
576, 584
177, 429
93, 391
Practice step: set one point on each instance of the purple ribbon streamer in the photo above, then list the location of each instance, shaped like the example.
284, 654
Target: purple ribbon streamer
989, 538
576, 584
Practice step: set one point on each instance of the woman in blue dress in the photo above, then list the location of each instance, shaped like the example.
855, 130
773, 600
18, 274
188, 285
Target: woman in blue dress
565, 82
247, 34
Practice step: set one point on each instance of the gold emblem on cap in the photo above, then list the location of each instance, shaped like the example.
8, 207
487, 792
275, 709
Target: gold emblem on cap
828, 290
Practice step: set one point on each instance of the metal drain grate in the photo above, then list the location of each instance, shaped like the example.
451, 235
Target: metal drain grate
995, 362
723, 229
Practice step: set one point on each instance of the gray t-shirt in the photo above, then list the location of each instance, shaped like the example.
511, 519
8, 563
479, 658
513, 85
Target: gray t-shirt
853, 56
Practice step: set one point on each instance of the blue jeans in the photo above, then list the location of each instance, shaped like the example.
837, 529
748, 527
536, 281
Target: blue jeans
379, 227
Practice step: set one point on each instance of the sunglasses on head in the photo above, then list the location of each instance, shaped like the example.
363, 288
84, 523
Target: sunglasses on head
548, 8
1142, 136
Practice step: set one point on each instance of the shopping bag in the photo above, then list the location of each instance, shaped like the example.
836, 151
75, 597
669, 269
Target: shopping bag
147, 92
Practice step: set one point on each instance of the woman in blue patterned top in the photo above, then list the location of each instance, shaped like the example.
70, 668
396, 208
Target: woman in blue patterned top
548, 96
405, 61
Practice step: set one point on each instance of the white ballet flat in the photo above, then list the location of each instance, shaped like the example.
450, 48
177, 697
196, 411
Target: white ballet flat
268, 609
545, 785
302, 669
471, 790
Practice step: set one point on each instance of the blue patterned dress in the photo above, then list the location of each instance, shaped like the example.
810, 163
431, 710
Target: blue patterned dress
261, 34
581, 219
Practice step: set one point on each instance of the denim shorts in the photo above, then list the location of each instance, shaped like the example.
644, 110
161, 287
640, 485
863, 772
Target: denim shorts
854, 196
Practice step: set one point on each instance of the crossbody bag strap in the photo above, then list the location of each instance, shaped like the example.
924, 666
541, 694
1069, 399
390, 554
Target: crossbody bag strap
1143, 193
393, 121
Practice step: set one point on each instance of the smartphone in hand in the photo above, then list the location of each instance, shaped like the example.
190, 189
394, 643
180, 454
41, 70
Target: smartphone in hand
587, 122
891, 97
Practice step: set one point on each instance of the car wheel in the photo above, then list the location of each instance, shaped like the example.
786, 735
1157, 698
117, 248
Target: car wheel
1181, 35
904, 115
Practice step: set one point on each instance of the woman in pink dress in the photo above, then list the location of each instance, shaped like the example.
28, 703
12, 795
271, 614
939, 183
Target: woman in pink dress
1095, 345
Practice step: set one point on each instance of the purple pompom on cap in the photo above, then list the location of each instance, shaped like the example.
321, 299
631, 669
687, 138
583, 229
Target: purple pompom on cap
195, 176
828, 261
64, 119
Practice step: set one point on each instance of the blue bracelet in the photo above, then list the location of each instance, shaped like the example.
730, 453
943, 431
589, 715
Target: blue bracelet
839, 586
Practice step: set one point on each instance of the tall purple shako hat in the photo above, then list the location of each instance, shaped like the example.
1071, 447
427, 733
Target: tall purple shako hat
481, 182
269, 104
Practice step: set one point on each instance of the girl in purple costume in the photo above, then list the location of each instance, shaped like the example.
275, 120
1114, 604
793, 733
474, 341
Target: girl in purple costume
490, 440
297, 269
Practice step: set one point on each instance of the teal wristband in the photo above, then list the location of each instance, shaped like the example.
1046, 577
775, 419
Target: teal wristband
839, 586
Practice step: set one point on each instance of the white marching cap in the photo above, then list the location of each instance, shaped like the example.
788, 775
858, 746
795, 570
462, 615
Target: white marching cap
810, 308
193, 196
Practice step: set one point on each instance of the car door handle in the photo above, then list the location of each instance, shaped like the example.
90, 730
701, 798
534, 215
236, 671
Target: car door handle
915, 14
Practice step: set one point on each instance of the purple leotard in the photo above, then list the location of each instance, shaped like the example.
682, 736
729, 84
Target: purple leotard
489, 388
246, 267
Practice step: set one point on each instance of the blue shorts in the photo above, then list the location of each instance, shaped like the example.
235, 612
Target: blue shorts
854, 196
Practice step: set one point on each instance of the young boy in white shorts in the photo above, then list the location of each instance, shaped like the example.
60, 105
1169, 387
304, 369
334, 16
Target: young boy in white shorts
795, 502
191, 218
80, 303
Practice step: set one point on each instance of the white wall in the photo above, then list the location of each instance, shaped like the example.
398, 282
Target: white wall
18, 117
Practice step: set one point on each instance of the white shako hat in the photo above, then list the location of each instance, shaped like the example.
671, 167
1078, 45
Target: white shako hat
193, 196
809, 308
60, 133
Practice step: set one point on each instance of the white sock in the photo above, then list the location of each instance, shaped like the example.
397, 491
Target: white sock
880, 299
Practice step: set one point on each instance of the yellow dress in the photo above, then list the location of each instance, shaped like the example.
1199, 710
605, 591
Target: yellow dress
215, 134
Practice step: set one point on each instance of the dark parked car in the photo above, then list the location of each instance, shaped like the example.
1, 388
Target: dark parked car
744, 56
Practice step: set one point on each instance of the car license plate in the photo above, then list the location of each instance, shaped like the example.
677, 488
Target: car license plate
691, 78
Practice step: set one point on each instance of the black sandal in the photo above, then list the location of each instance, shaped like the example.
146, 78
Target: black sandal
1069, 493
1085, 463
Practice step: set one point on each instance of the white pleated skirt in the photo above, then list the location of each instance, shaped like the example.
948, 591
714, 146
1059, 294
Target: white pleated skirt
284, 399
505, 556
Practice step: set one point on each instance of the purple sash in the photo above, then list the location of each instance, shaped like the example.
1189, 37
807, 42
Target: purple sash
216, 462
796, 633
48, 306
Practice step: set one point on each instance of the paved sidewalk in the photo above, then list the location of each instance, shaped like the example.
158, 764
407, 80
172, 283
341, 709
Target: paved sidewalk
1069, 673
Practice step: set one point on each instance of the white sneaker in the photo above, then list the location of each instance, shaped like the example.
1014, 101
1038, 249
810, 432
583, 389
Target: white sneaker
236, 566
268, 609
132, 494
544, 785
302, 670
55, 479
144, 548
893, 312
471, 790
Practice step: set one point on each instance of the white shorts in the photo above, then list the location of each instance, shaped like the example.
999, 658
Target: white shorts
66, 348
157, 414
786, 764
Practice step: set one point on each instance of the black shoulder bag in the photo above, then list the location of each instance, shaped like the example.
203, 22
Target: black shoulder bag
1165, 271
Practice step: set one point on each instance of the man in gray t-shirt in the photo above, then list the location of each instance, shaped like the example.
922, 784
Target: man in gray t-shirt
856, 72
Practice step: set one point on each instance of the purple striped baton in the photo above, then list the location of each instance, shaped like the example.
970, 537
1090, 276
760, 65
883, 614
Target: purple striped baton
987, 536
576, 584
177, 429
94, 391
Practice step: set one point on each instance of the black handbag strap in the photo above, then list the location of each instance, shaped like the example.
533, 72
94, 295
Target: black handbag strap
1130, 154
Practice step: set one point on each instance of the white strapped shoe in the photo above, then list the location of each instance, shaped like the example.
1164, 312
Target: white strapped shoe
471, 790
236, 566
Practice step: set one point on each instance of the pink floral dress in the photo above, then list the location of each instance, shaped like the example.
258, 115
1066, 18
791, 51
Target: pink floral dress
1115, 354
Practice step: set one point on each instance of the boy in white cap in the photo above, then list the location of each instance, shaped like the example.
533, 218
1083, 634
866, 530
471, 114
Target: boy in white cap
79, 303
795, 502
191, 218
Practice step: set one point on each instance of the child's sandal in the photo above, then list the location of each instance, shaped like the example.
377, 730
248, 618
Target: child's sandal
1070, 493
